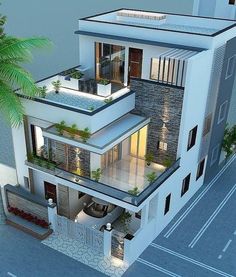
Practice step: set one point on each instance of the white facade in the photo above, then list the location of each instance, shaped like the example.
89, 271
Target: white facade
215, 8
153, 42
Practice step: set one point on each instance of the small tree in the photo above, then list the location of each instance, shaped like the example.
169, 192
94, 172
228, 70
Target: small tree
43, 91
151, 177
73, 130
134, 191
229, 141
149, 157
96, 174
56, 85
60, 127
125, 219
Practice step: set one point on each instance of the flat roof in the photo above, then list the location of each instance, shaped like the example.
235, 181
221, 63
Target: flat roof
197, 25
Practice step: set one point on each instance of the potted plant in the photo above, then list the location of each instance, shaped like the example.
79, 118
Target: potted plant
56, 86
43, 91
125, 219
104, 87
134, 191
85, 134
60, 127
149, 157
168, 162
73, 130
108, 100
151, 177
96, 174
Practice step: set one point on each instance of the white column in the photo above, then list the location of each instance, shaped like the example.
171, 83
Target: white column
144, 215
130, 254
107, 242
52, 213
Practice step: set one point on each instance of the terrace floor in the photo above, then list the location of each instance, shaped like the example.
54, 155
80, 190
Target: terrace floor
82, 100
129, 172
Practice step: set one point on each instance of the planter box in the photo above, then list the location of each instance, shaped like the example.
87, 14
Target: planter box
104, 90
70, 83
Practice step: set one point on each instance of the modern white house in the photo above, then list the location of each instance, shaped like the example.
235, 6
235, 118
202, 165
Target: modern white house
215, 8
127, 137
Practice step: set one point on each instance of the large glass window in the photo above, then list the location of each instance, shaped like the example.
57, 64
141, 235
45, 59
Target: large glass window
110, 62
37, 140
138, 143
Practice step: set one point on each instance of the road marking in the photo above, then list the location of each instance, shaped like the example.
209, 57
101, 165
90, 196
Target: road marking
227, 245
212, 217
200, 196
11, 274
158, 268
208, 267
220, 256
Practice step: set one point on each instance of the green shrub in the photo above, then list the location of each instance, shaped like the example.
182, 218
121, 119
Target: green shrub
151, 177
96, 174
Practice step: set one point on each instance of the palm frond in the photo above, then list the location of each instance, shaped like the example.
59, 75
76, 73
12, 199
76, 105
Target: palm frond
10, 105
14, 47
17, 77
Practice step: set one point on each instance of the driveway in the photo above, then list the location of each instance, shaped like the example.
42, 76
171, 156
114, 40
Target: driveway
201, 240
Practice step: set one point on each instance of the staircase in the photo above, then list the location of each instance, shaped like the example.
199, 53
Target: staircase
2, 213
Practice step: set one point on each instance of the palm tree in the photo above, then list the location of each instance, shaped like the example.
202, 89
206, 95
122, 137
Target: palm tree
14, 52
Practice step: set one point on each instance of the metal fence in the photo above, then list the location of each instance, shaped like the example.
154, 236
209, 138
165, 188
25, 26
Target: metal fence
75, 230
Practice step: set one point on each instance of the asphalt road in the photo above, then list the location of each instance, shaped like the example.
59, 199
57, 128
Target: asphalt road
201, 240
23, 256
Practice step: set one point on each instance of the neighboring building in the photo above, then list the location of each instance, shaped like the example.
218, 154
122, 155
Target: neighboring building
215, 8
169, 90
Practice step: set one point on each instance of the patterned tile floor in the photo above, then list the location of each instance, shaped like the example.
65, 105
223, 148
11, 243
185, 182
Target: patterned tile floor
110, 266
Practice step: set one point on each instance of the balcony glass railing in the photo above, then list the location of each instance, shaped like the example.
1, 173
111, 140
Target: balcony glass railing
114, 192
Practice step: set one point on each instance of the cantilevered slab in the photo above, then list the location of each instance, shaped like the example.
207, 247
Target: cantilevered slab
103, 140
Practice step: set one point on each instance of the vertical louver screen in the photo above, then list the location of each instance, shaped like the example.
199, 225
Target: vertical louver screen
170, 68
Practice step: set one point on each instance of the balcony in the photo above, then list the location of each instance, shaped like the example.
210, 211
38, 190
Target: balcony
114, 192
130, 174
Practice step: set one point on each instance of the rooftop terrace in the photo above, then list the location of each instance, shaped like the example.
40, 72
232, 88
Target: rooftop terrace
165, 21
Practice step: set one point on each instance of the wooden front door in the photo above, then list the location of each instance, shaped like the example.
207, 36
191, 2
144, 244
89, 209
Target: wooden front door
135, 63
50, 191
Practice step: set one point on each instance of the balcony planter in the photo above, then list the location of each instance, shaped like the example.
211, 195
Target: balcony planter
104, 88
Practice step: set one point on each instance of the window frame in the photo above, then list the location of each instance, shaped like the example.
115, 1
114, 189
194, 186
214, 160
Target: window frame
230, 67
215, 152
192, 137
167, 204
185, 184
207, 124
200, 168
161, 145
225, 106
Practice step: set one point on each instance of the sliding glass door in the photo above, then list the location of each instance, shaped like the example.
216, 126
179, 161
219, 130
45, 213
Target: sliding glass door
138, 143
110, 62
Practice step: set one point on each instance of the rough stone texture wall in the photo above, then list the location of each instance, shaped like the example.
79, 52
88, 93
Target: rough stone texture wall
71, 158
163, 104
